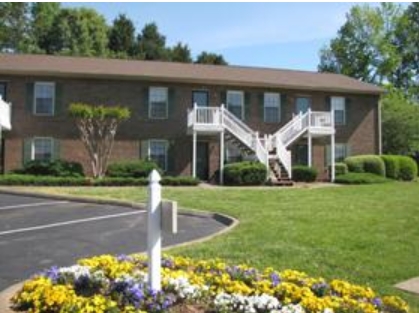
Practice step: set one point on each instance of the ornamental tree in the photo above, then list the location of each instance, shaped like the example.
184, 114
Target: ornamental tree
97, 126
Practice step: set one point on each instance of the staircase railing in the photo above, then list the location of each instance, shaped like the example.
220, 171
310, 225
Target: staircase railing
5, 114
292, 130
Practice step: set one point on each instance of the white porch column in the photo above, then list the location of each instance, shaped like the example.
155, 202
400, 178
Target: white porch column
309, 152
332, 158
194, 154
222, 158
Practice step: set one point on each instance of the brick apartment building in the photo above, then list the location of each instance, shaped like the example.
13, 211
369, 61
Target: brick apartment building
279, 117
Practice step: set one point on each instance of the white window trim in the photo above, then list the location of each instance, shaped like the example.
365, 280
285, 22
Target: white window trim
166, 90
41, 138
332, 108
166, 143
279, 106
237, 92
34, 98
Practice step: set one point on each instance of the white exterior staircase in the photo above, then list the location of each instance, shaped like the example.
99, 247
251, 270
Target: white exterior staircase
271, 150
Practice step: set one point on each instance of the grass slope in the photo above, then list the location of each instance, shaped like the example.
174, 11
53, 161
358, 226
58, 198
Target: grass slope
366, 234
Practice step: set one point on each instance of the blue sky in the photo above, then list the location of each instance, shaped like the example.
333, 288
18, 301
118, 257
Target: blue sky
280, 35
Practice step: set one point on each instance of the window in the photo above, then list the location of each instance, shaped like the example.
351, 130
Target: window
42, 149
302, 104
271, 107
158, 100
158, 153
338, 107
44, 98
342, 151
200, 98
3, 90
235, 103
233, 154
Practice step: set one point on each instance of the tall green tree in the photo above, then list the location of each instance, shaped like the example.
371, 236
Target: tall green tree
14, 27
151, 45
210, 58
400, 123
43, 16
122, 36
364, 47
79, 32
180, 53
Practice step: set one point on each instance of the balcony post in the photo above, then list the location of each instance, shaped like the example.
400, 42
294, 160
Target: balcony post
222, 114
310, 148
332, 158
221, 158
194, 154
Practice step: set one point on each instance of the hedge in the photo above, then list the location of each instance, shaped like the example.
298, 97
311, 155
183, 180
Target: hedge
302, 173
32, 180
245, 173
392, 165
340, 168
366, 164
360, 179
408, 169
133, 169
58, 168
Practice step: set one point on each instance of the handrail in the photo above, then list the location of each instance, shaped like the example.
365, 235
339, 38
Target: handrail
5, 114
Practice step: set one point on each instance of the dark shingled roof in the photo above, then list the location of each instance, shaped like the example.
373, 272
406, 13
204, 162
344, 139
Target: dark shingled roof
47, 65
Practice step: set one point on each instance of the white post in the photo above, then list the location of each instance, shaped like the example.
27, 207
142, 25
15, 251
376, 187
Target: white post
154, 230
222, 158
332, 158
194, 154
310, 146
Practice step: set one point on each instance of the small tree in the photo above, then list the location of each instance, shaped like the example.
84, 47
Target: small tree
97, 126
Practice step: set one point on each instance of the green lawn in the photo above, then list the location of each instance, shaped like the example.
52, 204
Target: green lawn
366, 234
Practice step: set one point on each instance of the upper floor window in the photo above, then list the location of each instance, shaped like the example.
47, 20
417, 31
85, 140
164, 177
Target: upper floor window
3, 90
42, 149
235, 103
339, 108
158, 103
158, 152
44, 98
271, 107
302, 104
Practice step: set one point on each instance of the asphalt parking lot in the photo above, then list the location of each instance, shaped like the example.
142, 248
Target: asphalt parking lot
37, 233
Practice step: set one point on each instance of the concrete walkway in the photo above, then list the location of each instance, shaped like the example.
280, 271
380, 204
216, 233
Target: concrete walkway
411, 285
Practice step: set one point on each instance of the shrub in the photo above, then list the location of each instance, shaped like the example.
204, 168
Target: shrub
360, 179
134, 169
340, 169
58, 168
408, 169
245, 173
304, 174
392, 166
33, 180
366, 164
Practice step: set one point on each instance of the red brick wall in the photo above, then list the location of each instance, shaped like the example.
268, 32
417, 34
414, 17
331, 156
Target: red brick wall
361, 131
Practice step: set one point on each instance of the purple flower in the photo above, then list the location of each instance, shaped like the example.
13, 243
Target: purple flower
377, 302
275, 279
123, 257
53, 273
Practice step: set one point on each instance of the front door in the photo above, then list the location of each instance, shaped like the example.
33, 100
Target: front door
200, 97
202, 166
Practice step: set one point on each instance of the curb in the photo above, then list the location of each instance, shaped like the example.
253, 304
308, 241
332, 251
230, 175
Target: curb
229, 221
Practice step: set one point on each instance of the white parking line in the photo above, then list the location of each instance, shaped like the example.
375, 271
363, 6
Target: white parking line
18, 206
79, 221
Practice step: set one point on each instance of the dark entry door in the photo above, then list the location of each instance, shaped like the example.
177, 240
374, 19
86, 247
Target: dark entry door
300, 153
202, 165
3, 90
200, 97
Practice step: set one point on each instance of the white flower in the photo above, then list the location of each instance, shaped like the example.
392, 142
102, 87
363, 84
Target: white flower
76, 271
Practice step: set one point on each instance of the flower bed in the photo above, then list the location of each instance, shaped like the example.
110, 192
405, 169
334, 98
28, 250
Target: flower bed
119, 285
